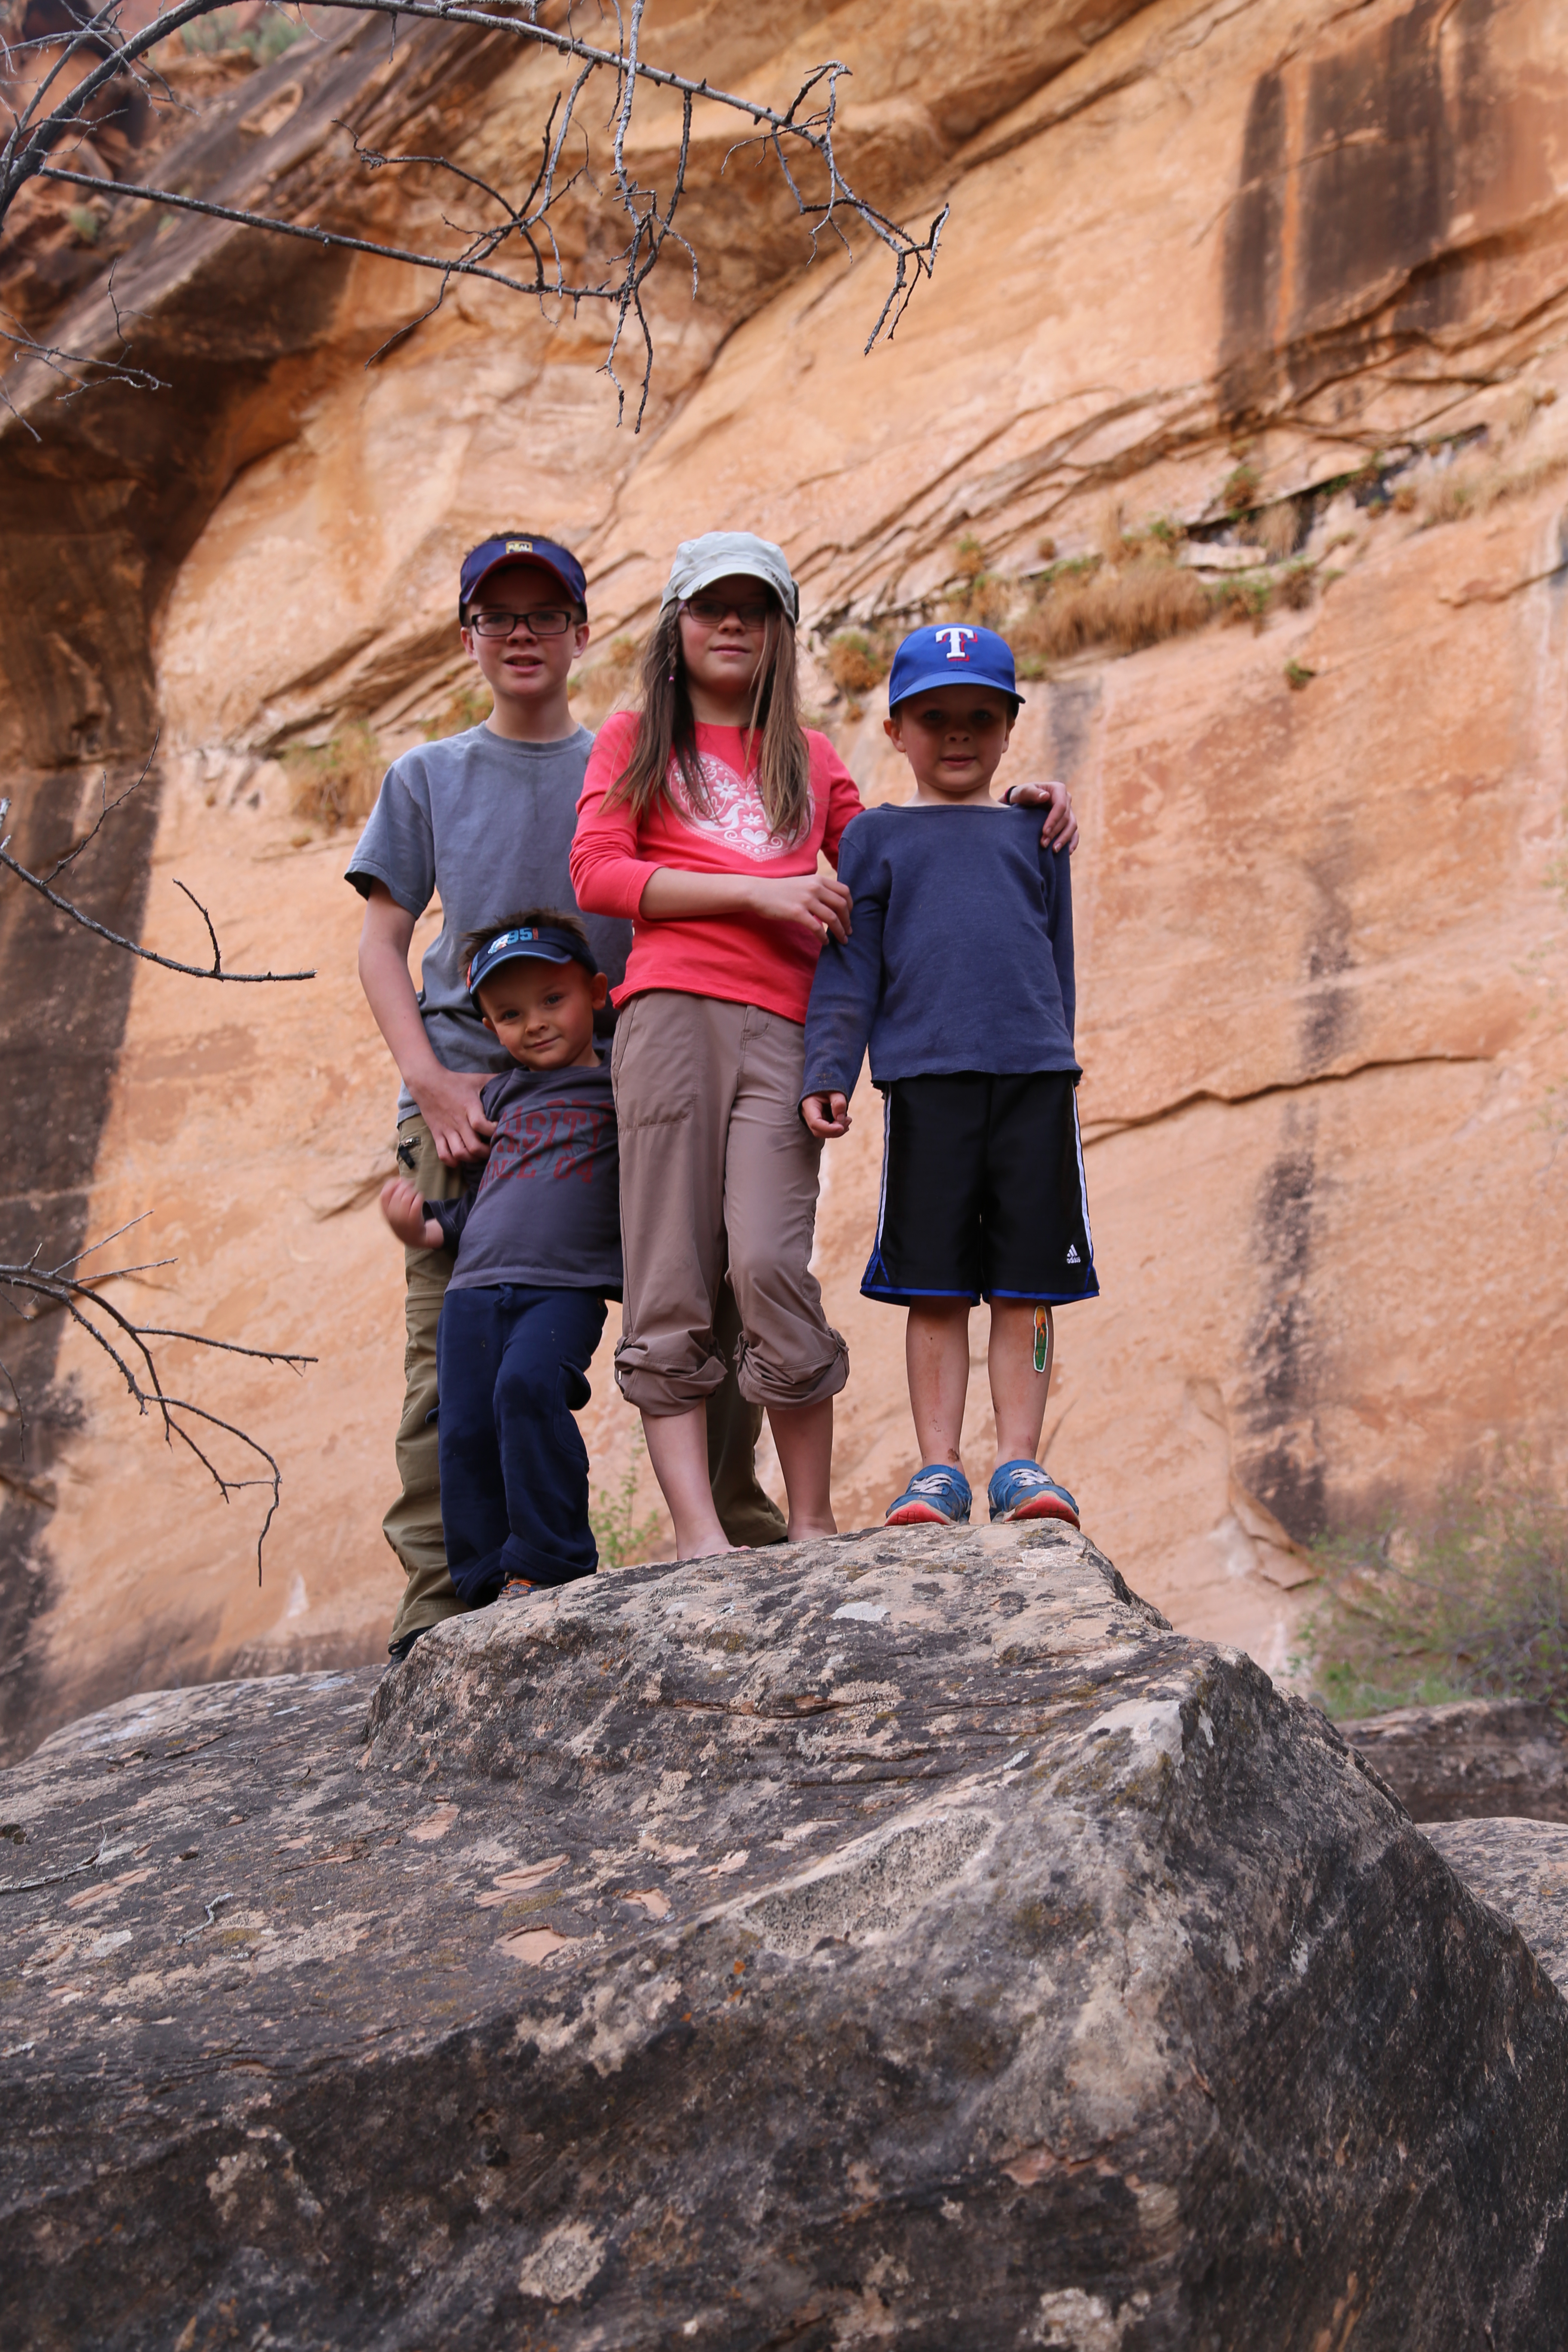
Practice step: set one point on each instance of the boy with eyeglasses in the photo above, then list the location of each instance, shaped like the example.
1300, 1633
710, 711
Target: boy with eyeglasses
480, 820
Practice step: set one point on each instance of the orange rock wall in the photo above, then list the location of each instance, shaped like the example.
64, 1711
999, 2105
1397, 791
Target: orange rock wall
1319, 927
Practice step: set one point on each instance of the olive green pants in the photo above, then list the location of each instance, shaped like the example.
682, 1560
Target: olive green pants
412, 1525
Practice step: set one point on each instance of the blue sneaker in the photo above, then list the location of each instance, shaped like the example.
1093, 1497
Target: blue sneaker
935, 1496
1022, 1490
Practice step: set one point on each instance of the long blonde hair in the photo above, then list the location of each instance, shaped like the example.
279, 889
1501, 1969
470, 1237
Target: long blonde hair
668, 732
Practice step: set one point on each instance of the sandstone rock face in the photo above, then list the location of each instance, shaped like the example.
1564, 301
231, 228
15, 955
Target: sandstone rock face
1481, 1757
1319, 902
898, 1940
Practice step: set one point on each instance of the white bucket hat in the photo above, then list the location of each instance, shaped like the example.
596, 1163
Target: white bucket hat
719, 555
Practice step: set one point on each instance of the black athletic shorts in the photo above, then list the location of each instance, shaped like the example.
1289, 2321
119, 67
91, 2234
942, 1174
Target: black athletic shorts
983, 1191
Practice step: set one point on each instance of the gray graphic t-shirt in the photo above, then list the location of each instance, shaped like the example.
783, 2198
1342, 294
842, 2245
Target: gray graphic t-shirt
487, 824
546, 1211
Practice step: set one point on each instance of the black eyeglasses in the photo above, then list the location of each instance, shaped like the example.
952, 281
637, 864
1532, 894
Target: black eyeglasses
711, 610
550, 623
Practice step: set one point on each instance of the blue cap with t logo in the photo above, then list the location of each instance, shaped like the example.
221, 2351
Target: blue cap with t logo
953, 653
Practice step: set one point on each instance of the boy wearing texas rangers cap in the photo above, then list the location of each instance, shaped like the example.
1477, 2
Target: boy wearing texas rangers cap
483, 819
958, 973
536, 1240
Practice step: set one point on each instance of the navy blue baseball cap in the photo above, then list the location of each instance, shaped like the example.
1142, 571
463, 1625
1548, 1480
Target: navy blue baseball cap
540, 941
520, 547
953, 653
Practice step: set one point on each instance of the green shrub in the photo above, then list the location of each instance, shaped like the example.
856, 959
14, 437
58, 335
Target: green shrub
336, 782
1474, 1606
623, 1539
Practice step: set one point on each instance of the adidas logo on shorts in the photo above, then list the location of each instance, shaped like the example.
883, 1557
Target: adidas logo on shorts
1073, 1257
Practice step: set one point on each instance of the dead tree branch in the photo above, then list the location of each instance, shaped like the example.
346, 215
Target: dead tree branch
40, 883
44, 120
32, 1290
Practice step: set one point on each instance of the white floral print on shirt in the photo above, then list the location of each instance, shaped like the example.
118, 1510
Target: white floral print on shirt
735, 812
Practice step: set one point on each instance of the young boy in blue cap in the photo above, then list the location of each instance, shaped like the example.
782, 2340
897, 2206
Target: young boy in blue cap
536, 1240
958, 973
480, 820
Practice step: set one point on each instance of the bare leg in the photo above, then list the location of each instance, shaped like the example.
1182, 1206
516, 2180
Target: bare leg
678, 1448
804, 1435
1019, 1392
936, 1353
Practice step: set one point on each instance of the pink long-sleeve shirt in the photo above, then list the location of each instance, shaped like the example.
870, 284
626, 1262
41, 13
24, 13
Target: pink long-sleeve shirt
743, 959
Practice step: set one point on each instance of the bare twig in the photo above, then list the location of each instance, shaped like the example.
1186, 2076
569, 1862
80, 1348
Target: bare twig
101, 931
105, 812
127, 1345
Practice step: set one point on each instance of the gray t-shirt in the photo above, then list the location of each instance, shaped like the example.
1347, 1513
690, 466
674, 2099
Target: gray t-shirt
488, 824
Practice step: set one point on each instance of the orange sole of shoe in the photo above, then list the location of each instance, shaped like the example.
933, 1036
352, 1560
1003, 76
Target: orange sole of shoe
1043, 1507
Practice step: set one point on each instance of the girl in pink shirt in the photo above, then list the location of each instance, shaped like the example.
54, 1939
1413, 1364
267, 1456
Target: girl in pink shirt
702, 818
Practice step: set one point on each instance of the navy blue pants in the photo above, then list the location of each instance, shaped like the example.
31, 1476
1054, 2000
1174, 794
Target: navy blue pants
510, 1365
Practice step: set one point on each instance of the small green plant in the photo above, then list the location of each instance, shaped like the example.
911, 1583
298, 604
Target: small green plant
983, 596
1474, 1606
335, 782
222, 33
622, 1537
1240, 491
85, 222
469, 706
1244, 596
1297, 676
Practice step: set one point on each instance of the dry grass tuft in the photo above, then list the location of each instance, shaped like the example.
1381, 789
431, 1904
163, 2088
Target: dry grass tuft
1278, 530
1137, 603
335, 782
1474, 485
857, 662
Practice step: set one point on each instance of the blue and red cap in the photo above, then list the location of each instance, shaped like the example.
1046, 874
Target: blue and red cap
952, 653
520, 547
540, 941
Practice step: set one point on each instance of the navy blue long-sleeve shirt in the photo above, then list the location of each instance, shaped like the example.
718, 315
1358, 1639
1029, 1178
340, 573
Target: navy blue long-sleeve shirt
960, 953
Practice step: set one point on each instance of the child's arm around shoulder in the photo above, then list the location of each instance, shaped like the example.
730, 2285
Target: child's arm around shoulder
1056, 873
845, 990
832, 783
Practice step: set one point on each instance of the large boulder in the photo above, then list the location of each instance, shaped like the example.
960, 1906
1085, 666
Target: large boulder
891, 1940
1476, 1757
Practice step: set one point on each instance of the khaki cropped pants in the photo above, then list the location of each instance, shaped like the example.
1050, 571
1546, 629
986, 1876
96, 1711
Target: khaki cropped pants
715, 1157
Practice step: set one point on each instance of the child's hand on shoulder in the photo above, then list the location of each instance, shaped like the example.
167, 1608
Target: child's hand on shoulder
827, 1115
402, 1207
1060, 830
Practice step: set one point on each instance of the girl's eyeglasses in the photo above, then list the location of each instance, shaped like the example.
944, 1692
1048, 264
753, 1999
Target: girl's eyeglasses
709, 611
551, 623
